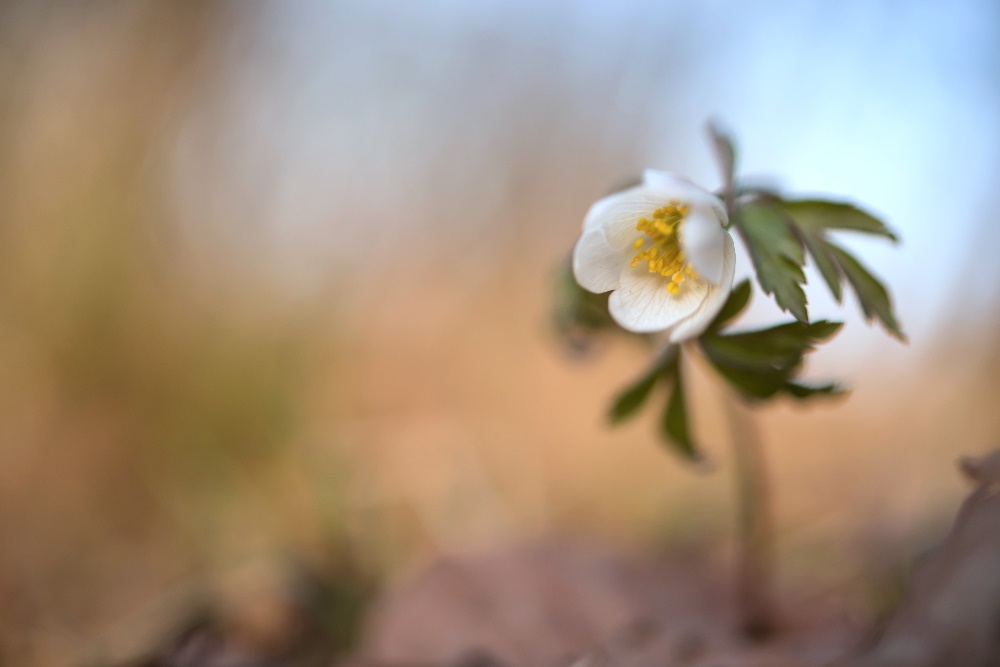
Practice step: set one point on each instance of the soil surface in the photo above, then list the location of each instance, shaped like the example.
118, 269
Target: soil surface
561, 603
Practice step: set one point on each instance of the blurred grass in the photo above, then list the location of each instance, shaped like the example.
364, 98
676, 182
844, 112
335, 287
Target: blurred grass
147, 408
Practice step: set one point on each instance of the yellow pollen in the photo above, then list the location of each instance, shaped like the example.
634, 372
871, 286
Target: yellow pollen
663, 254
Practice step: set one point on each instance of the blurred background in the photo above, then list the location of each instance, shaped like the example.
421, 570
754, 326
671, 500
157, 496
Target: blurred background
276, 292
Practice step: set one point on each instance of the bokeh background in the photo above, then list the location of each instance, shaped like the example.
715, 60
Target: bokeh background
276, 290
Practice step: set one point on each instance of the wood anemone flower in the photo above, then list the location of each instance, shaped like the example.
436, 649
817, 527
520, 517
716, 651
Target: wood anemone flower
662, 250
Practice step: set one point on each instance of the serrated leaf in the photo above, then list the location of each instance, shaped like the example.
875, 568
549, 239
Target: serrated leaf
818, 250
777, 255
740, 353
811, 219
753, 384
629, 400
872, 295
735, 304
675, 418
776, 346
674, 422
763, 363
819, 214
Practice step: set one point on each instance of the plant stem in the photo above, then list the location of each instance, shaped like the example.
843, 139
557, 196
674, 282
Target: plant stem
755, 531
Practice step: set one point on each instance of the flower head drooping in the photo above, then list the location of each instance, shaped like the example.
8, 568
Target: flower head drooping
662, 250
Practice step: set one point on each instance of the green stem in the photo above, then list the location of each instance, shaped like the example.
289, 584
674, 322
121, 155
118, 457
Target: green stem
755, 530
756, 533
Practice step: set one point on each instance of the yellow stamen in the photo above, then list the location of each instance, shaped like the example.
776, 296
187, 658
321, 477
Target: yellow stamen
663, 255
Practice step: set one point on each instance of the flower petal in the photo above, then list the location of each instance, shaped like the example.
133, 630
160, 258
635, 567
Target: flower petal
673, 186
598, 211
716, 297
702, 240
642, 303
618, 214
596, 265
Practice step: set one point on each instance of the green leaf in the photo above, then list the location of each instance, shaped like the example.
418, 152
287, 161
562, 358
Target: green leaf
872, 295
828, 268
737, 301
778, 233
788, 337
764, 386
763, 363
777, 254
816, 214
744, 355
675, 418
674, 423
812, 219
753, 384
630, 399
807, 391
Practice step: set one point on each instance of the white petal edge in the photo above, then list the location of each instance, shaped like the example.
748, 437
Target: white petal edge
673, 185
596, 265
678, 187
717, 296
702, 240
642, 304
598, 211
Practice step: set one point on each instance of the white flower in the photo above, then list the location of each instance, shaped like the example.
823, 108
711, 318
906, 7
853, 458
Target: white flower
663, 251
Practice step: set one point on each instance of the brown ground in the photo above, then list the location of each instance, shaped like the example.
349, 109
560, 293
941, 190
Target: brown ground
553, 603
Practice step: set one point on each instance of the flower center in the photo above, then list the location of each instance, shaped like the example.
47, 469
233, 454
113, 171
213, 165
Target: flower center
660, 247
